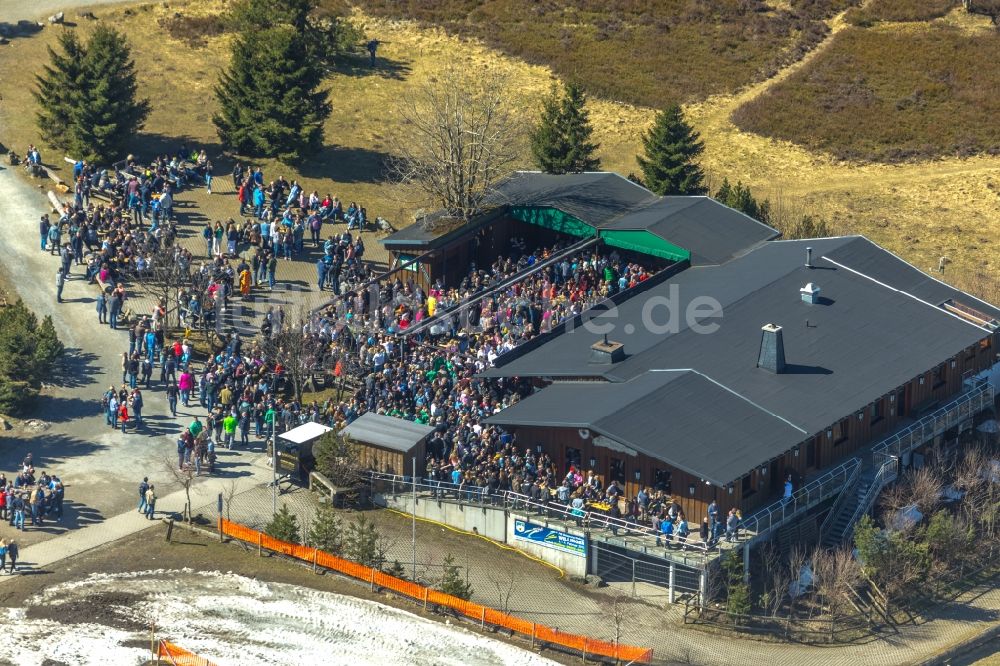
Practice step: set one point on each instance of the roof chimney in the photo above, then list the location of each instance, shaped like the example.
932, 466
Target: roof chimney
810, 293
607, 352
809, 257
772, 349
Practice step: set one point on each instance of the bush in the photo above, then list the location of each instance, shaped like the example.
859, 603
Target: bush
194, 30
877, 95
899, 10
284, 525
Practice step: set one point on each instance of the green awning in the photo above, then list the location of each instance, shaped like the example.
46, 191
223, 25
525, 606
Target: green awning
554, 219
646, 243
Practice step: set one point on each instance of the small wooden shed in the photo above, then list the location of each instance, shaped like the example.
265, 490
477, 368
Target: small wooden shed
388, 444
295, 456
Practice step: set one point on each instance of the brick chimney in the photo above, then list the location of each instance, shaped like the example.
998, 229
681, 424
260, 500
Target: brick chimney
772, 349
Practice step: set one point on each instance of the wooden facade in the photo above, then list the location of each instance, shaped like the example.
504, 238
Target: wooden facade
389, 460
764, 484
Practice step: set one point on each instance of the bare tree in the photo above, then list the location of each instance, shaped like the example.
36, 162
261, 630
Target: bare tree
774, 577
835, 574
229, 492
505, 586
298, 350
166, 273
464, 136
184, 477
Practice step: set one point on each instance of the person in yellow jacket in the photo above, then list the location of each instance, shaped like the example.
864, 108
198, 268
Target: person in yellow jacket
245, 282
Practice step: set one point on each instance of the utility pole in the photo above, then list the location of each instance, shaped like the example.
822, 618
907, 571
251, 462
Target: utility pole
413, 507
274, 470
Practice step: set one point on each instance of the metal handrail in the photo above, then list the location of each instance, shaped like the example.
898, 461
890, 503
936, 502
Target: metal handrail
838, 503
916, 434
513, 501
885, 475
503, 284
808, 496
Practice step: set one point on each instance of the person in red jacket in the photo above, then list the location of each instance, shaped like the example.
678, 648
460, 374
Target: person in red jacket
123, 415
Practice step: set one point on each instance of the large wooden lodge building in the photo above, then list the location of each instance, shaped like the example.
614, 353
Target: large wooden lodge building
752, 360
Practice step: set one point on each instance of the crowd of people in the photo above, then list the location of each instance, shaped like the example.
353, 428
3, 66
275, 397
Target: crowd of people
429, 377
36, 499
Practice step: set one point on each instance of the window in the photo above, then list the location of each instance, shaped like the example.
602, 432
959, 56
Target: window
573, 458
661, 480
877, 411
617, 470
746, 485
841, 431
985, 343
939, 377
901, 402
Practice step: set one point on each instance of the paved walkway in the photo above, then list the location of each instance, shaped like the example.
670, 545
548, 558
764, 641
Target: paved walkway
40, 556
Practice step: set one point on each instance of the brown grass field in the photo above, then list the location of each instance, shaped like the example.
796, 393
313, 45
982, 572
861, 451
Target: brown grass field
647, 53
889, 93
920, 210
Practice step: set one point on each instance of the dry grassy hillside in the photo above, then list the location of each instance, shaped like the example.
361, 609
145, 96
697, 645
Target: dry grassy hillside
922, 210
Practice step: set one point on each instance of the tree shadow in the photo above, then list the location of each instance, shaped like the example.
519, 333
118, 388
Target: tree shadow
60, 409
48, 451
359, 65
77, 369
346, 165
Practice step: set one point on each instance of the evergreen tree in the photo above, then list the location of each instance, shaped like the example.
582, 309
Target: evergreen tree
270, 102
106, 112
328, 36
326, 531
561, 141
57, 88
452, 582
671, 147
740, 198
28, 354
548, 144
364, 543
284, 525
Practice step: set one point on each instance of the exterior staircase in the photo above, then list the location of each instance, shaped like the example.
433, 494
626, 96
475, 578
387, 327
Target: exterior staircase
839, 523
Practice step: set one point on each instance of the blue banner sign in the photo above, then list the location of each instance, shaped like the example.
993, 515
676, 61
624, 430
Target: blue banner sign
550, 538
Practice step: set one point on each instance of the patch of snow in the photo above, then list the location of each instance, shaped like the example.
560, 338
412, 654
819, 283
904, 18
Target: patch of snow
231, 619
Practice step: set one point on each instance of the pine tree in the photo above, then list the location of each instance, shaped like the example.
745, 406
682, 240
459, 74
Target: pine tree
740, 198
28, 354
561, 141
452, 582
270, 102
326, 532
57, 88
364, 543
548, 144
106, 112
284, 525
577, 129
671, 147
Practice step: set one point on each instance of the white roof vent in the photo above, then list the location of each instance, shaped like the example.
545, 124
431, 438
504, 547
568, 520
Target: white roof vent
810, 293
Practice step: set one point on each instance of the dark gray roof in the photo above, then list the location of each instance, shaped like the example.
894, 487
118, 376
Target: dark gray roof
387, 432
712, 232
598, 198
864, 339
672, 416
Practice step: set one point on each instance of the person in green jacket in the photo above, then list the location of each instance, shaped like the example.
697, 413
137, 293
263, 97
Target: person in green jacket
229, 428
196, 427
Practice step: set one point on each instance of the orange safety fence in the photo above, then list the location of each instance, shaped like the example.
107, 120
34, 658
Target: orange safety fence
483, 614
178, 656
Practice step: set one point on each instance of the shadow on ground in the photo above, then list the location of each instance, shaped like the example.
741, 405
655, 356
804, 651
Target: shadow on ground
78, 369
